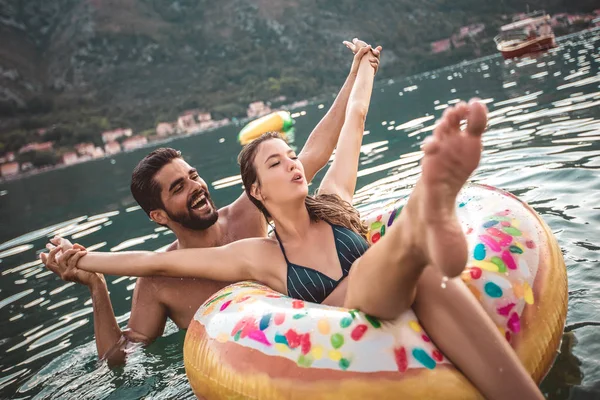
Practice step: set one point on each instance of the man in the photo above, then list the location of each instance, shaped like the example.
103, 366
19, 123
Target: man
172, 193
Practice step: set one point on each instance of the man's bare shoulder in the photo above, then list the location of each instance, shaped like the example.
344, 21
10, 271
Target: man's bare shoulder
173, 246
242, 219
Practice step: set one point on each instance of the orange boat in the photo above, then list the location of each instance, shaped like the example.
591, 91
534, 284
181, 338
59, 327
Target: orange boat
531, 34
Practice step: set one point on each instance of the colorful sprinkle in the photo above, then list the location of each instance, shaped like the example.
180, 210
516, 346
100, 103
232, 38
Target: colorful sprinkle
486, 265
358, 332
305, 343
335, 355
237, 336
323, 326
337, 340
491, 243
209, 302
414, 325
530, 244
392, 217
245, 326
344, 364
297, 304
437, 355
508, 259
493, 290
505, 239
475, 292
401, 359
375, 238
260, 337
279, 318
425, 338
317, 352
499, 263
511, 230
293, 338
301, 315
209, 310
516, 249
514, 323
490, 223
282, 348
506, 309
264, 322
475, 272
469, 231
421, 356
281, 339
465, 275
376, 225
528, 295
304, 361
507, 335
518, 290
225, 305
479, 252
373, 321
346, 322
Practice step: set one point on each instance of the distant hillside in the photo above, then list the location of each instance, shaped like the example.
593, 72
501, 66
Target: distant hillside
87, 66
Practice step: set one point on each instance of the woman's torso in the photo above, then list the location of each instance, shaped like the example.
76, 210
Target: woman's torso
313, 267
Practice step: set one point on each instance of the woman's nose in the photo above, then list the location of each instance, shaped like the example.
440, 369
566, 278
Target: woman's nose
291, 164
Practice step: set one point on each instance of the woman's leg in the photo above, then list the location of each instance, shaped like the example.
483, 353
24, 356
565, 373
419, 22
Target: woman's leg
390, 275
462, 330
427, 232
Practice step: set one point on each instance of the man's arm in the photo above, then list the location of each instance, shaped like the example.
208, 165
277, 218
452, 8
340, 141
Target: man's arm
106, 329
323, 139
110, 340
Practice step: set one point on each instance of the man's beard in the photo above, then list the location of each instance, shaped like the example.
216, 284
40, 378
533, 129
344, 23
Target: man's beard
190, 220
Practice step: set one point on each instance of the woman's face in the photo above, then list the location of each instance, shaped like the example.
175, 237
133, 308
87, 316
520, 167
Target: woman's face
280, 173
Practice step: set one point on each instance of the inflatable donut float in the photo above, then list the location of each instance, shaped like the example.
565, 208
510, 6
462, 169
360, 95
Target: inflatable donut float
250, 342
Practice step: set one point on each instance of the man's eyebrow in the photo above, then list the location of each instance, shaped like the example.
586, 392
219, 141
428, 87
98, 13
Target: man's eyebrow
175, 183
193, 171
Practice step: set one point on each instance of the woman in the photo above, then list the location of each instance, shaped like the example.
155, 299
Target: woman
318, 242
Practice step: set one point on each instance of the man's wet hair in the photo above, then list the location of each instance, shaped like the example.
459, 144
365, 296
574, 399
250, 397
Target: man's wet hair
145, 189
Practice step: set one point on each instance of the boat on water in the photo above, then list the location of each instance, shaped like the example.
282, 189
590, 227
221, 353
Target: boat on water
532, 33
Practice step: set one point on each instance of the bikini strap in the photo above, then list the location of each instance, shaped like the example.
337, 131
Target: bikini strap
281, 246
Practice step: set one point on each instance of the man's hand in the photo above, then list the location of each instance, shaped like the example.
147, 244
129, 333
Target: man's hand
62, 260
360, 49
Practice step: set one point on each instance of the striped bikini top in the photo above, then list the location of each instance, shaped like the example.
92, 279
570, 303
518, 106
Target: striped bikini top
311, 285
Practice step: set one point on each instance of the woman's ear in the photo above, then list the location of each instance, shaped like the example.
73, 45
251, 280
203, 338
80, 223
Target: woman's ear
255, 192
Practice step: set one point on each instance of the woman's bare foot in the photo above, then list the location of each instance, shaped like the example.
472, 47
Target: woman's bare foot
451, 155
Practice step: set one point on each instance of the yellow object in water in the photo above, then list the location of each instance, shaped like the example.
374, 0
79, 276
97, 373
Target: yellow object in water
279, 121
